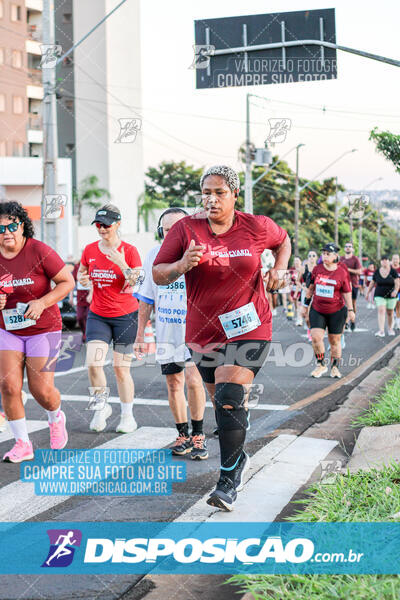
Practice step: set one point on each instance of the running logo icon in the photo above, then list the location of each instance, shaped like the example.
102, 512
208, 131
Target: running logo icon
63, 543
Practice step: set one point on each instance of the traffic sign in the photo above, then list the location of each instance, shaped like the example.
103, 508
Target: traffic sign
265, 49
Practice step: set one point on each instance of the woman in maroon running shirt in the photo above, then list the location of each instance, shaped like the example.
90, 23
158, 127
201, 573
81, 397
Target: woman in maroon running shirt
228, 325
330, 295
30, 327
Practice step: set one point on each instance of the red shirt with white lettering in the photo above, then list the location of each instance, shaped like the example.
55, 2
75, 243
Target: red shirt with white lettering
368, 276
329, 287
111, 295
227, 277
32, 271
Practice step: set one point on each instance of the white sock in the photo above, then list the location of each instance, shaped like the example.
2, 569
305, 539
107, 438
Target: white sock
53, 416
19, 429
126, 409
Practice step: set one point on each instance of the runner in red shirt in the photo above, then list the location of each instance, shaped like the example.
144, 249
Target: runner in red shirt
228, 324
330, 292
354, 267
30, 327
111, 266
368, 274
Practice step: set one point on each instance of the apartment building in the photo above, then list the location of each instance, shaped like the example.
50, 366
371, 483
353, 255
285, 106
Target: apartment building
96, 87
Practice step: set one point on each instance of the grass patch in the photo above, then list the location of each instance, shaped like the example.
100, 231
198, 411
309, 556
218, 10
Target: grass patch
386, 411
363, 496
319, 587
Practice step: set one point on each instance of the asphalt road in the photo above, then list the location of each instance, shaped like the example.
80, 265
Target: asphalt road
286, 380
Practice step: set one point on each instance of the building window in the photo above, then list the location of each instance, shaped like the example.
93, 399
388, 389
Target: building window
18, 149
67, 18
2, 102
3, 148
15, 12
69, 104
18, 105
68, 61
16, 59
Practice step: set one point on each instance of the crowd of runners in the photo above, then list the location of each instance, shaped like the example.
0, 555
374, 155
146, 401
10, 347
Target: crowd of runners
212, 284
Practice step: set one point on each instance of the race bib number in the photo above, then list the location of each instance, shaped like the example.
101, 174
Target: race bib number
14, 319
325, 291
369, 278
240, 321
177, 287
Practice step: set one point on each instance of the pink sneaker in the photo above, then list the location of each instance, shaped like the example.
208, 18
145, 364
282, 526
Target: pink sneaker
19, 452
58, 433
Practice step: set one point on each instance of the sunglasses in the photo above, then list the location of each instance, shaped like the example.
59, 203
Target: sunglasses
100, 225
11, 227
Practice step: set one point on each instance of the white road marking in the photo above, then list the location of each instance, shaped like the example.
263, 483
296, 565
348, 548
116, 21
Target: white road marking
32, 426
18, 501
158, 402
277, 471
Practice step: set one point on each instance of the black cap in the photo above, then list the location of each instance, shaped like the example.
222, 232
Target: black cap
331, 247
107, 217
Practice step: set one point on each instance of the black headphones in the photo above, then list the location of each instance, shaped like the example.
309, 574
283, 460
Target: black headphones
160, 228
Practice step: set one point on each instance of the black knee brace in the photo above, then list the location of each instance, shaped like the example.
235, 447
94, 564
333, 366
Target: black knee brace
230, 394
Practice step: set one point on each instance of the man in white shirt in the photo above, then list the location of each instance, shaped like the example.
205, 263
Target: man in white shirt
169, 303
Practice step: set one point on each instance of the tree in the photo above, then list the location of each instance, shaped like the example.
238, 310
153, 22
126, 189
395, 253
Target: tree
175, 183
387, 144
146, 205
273, 196
87, 193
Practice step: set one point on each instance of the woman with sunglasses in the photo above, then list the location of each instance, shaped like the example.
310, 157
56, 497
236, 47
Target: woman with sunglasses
30, 327
329, 292
111, 266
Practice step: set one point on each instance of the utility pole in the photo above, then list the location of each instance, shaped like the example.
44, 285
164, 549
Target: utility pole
297, 203
360, 241
336, 214
50, 147
248, 187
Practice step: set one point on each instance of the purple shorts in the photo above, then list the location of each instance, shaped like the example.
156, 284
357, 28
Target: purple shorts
40, 345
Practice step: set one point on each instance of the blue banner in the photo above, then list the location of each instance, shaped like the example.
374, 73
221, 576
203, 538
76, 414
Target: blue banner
199, 548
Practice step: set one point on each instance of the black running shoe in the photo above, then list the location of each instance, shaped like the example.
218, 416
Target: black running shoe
224, 495
241, 469
182, 445
199, 449
352, 325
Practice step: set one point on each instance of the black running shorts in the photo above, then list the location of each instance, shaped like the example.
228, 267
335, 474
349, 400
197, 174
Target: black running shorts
120, 330
334, 321
245, 353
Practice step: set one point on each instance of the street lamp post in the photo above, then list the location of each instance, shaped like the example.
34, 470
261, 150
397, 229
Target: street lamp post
297, 203
336, 198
